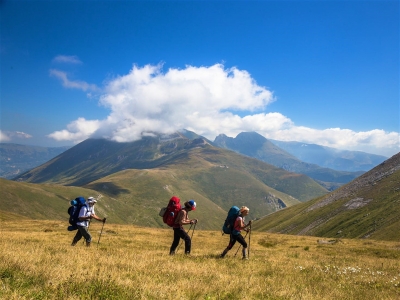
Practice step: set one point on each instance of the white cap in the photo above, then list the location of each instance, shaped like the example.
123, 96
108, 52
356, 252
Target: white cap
91, 200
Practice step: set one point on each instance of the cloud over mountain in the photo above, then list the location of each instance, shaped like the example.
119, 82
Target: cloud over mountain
207, 100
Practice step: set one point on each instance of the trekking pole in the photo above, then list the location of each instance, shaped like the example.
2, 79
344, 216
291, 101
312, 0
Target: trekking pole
101, 232
240, 246
176, 251
193, 230
249, 241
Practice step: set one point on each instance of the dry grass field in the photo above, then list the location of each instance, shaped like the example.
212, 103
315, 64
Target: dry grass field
130, 262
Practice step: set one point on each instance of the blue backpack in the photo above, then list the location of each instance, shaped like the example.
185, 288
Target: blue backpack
73, 212
233, 213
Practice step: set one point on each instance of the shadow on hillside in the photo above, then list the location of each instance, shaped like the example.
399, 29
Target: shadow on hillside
107, 188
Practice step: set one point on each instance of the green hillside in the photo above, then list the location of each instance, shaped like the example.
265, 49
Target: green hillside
368, 207
138, 195
45, 201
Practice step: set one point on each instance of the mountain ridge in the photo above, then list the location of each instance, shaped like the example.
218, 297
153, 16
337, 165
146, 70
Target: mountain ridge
340, 160
254, 145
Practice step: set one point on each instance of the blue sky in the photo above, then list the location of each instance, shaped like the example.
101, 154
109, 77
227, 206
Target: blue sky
322, 72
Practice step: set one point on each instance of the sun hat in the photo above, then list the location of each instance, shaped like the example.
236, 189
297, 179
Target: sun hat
91, 200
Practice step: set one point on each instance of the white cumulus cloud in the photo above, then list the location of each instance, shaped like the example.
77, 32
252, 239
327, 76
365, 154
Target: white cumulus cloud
203, 100
77, 130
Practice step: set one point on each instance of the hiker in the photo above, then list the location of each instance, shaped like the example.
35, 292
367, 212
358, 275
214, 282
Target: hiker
179, 232
236, 235
85, 215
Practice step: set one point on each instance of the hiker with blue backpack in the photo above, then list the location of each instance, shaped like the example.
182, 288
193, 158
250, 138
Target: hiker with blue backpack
181, 219
233, 225
86, 213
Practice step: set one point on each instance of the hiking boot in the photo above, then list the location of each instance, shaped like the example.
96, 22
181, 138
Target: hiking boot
245, 258
172, 253
87, 244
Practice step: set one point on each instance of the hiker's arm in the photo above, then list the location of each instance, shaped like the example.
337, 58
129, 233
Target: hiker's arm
248, 224
94, 216
82, 214
182, 218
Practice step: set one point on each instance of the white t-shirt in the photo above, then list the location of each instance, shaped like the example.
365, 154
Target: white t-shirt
85, 211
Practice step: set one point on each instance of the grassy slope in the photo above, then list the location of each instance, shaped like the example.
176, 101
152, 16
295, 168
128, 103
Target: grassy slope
131, 262
378, 219
44, 201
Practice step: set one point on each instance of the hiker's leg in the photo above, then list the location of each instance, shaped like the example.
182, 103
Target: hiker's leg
77, 237
242, 241
86, 234
175, 243
232, 242
188, 243
224, 252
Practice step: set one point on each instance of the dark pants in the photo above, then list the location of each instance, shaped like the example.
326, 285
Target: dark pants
239, 238
180, 233
82, 231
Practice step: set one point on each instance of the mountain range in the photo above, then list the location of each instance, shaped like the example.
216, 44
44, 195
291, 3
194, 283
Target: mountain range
254, 145
138, 177
134, 180
16, 159
327, 157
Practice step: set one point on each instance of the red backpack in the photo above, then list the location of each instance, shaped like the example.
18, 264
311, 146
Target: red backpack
170, 212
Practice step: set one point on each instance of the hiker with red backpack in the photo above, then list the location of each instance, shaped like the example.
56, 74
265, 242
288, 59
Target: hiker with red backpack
235, 235
181, 219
